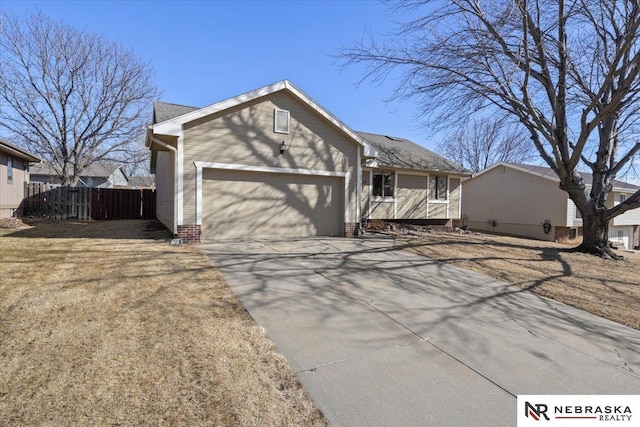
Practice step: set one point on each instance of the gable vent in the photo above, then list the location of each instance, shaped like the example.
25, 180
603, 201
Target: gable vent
281, 121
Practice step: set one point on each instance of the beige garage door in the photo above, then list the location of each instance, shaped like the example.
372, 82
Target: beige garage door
238, 204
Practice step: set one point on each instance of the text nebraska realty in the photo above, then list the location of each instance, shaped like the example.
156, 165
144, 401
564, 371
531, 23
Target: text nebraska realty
601, 413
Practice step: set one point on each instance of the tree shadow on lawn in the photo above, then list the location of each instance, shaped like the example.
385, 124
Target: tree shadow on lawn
555, 272
75, 229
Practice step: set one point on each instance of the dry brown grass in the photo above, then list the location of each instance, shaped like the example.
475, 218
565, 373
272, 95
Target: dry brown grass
100, 324
610, 289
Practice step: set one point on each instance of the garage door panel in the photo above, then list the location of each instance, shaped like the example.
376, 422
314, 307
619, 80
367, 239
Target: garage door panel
255, 204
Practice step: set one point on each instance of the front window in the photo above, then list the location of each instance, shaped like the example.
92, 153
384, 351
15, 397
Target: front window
622, 198
438, 187
9, 170
383, 184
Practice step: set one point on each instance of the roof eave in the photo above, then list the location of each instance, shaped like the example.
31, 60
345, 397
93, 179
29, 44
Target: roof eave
553, 178
381, 165
625, 189
20, 153
173, 127
514, 167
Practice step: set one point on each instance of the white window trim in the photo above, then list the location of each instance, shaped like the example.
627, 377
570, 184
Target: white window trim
180, 181
459, 198
370, 193
448, 186
275, 120
395, 194
249, 168
10, 167
387, 199
358, 189
446, 202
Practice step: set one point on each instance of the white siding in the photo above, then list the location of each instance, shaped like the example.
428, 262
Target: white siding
572, 221
621, 236
631, 217
12, 193
164, 188
118, 179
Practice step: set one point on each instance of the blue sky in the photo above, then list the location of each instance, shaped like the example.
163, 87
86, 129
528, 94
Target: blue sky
206, 51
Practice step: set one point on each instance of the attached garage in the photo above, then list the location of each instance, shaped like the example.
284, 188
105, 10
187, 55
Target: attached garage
238, 204
267, 163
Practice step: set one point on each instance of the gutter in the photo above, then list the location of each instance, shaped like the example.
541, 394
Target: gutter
175, 175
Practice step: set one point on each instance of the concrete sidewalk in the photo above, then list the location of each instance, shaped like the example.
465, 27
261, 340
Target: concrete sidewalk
384, 337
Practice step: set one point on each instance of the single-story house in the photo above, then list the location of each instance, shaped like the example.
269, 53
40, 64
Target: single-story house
97, 175
273, 162
14, 172
525, 200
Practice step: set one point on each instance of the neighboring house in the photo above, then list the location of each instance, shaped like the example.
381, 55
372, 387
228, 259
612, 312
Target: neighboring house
525, 200
142, 182
273, 162
97, 175
14, 172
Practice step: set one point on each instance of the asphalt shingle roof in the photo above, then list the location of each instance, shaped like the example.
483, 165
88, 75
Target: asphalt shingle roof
142, 181
588, 178
392, 151
163, 111
96, 170
402, 153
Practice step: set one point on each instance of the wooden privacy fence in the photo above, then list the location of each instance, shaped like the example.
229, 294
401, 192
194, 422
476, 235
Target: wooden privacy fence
84, 203
115, 203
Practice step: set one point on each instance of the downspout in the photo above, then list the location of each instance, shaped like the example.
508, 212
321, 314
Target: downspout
359, 194
175, 178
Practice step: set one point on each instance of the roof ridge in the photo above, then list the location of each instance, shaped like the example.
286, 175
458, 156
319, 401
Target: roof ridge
549, 170
174, 104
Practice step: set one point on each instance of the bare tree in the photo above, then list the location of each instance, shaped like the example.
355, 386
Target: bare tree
137, 160
481, 143
71, 96
566, 70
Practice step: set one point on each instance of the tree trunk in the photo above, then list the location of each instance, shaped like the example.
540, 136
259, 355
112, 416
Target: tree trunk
595, 239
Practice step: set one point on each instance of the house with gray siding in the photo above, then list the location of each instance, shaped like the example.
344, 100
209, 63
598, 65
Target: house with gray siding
14, 173
97, 175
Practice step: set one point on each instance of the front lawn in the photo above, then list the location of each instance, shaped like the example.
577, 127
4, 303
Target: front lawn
610, 289
105, 323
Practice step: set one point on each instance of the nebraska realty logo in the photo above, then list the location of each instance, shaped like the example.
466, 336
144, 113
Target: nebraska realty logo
578, 410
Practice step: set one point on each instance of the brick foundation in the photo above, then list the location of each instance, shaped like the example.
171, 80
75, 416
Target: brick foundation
190, 233
351, 229
560, 233
564, 233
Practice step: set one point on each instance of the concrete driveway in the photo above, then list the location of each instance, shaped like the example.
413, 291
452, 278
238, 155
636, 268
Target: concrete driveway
382, 337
